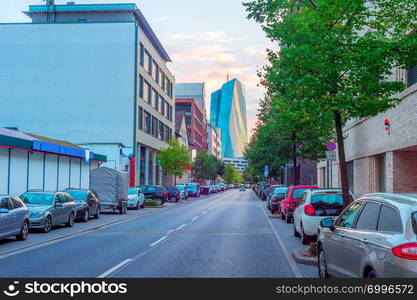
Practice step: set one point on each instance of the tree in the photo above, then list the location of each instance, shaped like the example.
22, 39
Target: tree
231, 175
339, 53
174, 159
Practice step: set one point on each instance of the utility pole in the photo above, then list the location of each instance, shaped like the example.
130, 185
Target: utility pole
50, 6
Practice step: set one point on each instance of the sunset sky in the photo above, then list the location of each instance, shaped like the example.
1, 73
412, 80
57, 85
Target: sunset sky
205, 39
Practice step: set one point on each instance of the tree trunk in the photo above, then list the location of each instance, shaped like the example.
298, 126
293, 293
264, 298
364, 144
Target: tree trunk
294, 160
342, 158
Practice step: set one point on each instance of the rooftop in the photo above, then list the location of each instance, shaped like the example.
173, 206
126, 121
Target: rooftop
94, 8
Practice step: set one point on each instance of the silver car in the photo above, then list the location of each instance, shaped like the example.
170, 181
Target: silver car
14, 218
48, 209
375, 236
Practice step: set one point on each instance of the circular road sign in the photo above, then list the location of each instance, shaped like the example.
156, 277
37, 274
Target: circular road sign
331, 146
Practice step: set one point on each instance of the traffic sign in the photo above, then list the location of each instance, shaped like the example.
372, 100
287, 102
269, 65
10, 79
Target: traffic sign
331, 146
266, 170
331, 156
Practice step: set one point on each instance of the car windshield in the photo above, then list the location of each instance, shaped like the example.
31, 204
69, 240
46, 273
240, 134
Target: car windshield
296, 193
78, 195
132, 191
147, 188
192, 187
280, 191
327, 199
180, 187
37, 198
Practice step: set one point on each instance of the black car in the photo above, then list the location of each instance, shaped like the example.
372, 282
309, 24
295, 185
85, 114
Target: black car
155, 192
173, 193
88, 204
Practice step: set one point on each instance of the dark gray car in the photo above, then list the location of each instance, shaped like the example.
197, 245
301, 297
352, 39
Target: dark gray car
48, 209
14, 218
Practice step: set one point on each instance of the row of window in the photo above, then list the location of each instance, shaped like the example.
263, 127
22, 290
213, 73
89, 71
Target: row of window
151, 96
152, 126
150, 66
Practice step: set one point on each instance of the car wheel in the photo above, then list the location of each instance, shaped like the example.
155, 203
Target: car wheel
371, 274
142, 206
321, 263
121, 209
125, 208
97, 215
70, 222
86, 216
48, 224
282, 216
24, 232
137, 206
159, 201
288, 219
296, 234
172, 199
305, 239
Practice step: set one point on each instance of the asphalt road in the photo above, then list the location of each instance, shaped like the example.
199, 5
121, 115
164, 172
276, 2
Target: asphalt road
223, 235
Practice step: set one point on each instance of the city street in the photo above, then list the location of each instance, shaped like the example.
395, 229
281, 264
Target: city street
222, 235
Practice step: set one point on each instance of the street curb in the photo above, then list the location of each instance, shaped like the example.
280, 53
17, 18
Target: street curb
302, 259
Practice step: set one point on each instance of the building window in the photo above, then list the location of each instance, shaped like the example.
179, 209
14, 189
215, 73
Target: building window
147, 93
141, 87
156, 100
167, 84
142, 54
140, 118
155, 71
163, 107
161, 131
154, 126
412, 76
147, 62
169, 112
147, 124
161, 78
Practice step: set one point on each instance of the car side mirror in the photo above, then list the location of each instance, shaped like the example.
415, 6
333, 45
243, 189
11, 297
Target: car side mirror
327, 223
4, 210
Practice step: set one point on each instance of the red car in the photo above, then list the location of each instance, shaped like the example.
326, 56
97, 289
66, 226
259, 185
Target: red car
290, 202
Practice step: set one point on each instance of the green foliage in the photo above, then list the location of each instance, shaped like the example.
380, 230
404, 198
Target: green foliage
231, 175
150, 202
332, 65
175, 158
207, 166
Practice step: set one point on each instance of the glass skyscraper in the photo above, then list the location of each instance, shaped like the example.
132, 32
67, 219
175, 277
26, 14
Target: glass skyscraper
228, 112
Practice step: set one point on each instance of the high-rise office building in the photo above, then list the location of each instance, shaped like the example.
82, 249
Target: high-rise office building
228, 112
192, 90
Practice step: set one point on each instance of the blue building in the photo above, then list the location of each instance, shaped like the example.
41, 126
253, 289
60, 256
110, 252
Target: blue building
228, 112
94, 74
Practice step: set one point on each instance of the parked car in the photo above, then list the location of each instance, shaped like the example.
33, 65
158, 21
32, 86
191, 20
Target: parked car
193, 189
314, 206
277, 195
87, 202
242, 188
375, 236
272, 188
135, 198
290, 201
263, 192
173, 193
14, 218
47, 209
155, 192
183, 191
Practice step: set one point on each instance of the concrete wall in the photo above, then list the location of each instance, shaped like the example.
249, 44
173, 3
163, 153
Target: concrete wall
69, 81
22, 170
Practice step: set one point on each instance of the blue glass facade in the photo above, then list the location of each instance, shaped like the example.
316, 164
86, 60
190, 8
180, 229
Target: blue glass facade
228, 112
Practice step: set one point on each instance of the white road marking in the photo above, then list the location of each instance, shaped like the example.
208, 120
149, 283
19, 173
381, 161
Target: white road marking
211, 207
112, 270
158, 241
182, 226
195, 218
204, 212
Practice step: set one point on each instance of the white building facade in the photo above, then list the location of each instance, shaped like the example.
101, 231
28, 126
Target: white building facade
96, 75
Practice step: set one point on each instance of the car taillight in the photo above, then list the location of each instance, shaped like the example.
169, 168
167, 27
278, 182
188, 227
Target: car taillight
309, 210
264, 192
407, 251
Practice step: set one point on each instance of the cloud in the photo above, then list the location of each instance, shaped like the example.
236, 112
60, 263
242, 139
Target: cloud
159, 19
213, 36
